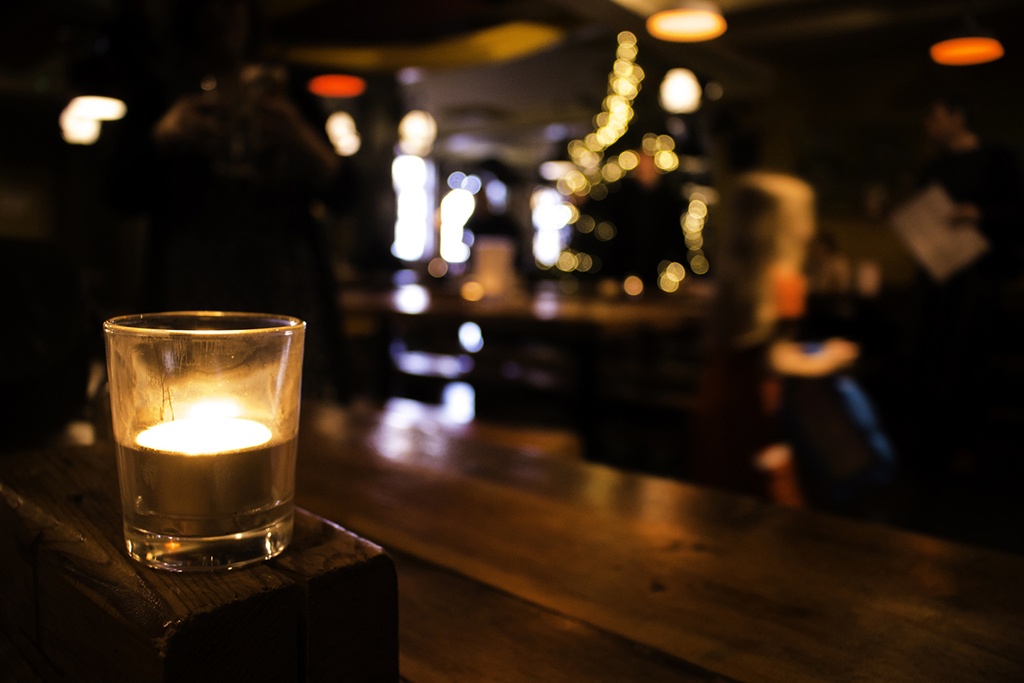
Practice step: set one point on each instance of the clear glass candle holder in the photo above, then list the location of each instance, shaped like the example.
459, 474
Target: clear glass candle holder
205, 409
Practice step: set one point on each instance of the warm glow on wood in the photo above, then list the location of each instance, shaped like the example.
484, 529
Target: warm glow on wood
686, 25
966, 51
204, 435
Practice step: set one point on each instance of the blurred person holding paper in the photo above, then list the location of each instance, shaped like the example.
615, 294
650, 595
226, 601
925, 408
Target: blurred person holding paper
966, 229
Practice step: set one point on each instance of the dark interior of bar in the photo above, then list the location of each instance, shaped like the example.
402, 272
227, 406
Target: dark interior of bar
459, 341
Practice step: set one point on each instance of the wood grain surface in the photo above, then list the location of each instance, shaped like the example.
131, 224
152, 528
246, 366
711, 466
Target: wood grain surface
457, 630
725, 583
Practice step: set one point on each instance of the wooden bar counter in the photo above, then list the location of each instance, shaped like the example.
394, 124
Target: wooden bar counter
514, 567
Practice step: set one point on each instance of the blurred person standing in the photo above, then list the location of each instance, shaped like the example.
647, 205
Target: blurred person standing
645, 213
228, 174
982, 178
774, 416
955, 332
760, 291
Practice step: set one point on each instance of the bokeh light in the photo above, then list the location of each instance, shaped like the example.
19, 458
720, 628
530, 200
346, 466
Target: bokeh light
417, 132
459, 402
605, 231
341, 131
675, 271
471, 338
628, 160
456, 208
97, 108
680, 92
471, 290
666, 161
411, 299
78, 131
412, 177
550, 217
81, 120
437, 267
633, 286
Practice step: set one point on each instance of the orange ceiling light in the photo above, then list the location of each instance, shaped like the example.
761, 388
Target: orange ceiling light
691, 22
337, 85
966, 50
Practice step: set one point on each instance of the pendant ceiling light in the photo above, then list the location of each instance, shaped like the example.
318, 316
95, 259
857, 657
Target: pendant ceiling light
337, 86
971, 46
690, 22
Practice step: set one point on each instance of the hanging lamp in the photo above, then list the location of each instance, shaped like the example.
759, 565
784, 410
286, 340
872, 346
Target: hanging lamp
968, 47
336, 86
690, 22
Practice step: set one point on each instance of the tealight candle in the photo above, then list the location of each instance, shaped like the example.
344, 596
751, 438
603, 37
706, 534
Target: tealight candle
204, 435
204, 468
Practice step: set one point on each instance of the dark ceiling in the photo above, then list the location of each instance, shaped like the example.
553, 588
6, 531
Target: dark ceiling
511, 105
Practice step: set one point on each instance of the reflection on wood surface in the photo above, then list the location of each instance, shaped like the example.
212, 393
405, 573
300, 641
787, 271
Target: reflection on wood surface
690, 576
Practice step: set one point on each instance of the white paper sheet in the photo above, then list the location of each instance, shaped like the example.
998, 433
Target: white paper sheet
925, 226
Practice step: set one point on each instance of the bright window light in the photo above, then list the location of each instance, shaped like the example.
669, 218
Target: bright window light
413, 179
550, 217
456, 208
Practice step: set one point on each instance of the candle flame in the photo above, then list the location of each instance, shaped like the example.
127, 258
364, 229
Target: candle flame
204, 435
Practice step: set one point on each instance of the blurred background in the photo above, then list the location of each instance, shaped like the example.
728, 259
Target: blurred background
508, 217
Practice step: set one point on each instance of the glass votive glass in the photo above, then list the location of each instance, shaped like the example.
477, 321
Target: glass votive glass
205, 409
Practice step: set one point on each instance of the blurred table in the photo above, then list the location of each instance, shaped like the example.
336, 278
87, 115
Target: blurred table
609, 314
607, 367
518, 568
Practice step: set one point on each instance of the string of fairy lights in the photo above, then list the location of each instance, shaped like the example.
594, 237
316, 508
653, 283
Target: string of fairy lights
593, 169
